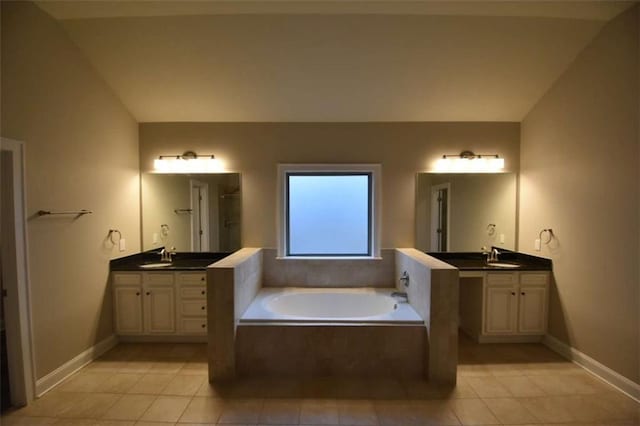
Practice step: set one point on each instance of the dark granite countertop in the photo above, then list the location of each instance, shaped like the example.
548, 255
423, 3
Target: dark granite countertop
182, 261
476, 261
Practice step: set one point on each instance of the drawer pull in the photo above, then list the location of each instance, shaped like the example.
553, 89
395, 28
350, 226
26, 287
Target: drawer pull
513, 293
148, 293
202, 292
202, 279
203, 306
137, 293
522, 293
204, 325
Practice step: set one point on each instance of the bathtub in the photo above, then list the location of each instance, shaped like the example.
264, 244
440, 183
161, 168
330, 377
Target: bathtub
329, 305
319, 332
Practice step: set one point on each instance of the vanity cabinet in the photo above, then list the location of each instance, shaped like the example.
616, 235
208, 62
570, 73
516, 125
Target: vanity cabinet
128, 309
192, 305
160, 303
504, 306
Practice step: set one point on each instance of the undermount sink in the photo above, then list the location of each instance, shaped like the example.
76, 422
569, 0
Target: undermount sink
155, 265
503, 265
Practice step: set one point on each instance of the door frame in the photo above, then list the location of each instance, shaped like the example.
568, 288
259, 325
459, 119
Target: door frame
200, 209
433, 241
19, 330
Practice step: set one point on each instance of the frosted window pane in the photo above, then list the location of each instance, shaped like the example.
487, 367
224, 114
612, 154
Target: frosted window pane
329, 215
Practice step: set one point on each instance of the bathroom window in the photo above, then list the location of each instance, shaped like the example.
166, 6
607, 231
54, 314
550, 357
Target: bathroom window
328, 211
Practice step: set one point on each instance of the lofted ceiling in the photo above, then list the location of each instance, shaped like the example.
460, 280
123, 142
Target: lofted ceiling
331, 61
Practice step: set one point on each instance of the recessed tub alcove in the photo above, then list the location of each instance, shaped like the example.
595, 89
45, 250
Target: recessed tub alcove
327, 317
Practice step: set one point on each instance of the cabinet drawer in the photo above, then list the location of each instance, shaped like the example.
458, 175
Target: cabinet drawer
194, 325
127, 279
193, 291
535, 279
192, 278
158, 278
193, 307
502, 278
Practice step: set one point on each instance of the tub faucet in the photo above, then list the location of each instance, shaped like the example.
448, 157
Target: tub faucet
400, 294
404, 279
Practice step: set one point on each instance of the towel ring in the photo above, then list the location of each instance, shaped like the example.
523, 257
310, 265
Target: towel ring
549, 233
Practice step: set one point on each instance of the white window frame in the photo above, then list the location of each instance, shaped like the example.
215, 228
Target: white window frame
376, 189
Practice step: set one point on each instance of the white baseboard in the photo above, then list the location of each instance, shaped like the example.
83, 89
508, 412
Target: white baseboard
52, 379
599, 370
509, 339
162, 339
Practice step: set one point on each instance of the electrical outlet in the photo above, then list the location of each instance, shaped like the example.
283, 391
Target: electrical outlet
121, 245
501, 238
156, 238
536, 244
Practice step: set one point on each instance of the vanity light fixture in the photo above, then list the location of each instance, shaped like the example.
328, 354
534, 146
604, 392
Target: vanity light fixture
468, 162
188, 162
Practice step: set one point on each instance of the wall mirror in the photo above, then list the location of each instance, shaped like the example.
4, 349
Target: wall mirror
463, 212
191, 212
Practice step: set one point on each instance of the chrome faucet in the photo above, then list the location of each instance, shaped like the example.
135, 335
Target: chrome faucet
493, 255
400, 294
165, 255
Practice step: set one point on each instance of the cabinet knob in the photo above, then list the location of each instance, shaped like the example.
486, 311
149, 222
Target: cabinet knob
137, 293
202, 292
513, 293
148, 293
202, 308
204, 325
202, 279
522, 293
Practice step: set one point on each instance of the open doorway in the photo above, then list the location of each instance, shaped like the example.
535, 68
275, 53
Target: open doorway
17, 352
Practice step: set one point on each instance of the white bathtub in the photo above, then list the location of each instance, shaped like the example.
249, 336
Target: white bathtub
329, 305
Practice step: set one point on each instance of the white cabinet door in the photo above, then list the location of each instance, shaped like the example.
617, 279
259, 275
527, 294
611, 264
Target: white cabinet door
533, 309
159, 309
128, 304
501, 310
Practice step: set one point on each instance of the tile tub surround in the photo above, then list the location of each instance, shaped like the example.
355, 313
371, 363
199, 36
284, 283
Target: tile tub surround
330, 350
433, 292
235, 281
232, 284
315, 272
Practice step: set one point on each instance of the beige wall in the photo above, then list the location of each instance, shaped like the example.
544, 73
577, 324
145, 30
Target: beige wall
579, 176
254, 149
82, 152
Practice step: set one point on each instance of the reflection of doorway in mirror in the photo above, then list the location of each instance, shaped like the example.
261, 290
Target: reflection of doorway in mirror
230, 215
440, 218
199, 216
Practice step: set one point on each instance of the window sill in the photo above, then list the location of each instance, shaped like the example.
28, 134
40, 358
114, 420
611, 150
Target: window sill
328, 258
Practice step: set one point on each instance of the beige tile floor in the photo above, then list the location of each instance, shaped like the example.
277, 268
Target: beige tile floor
165, 384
